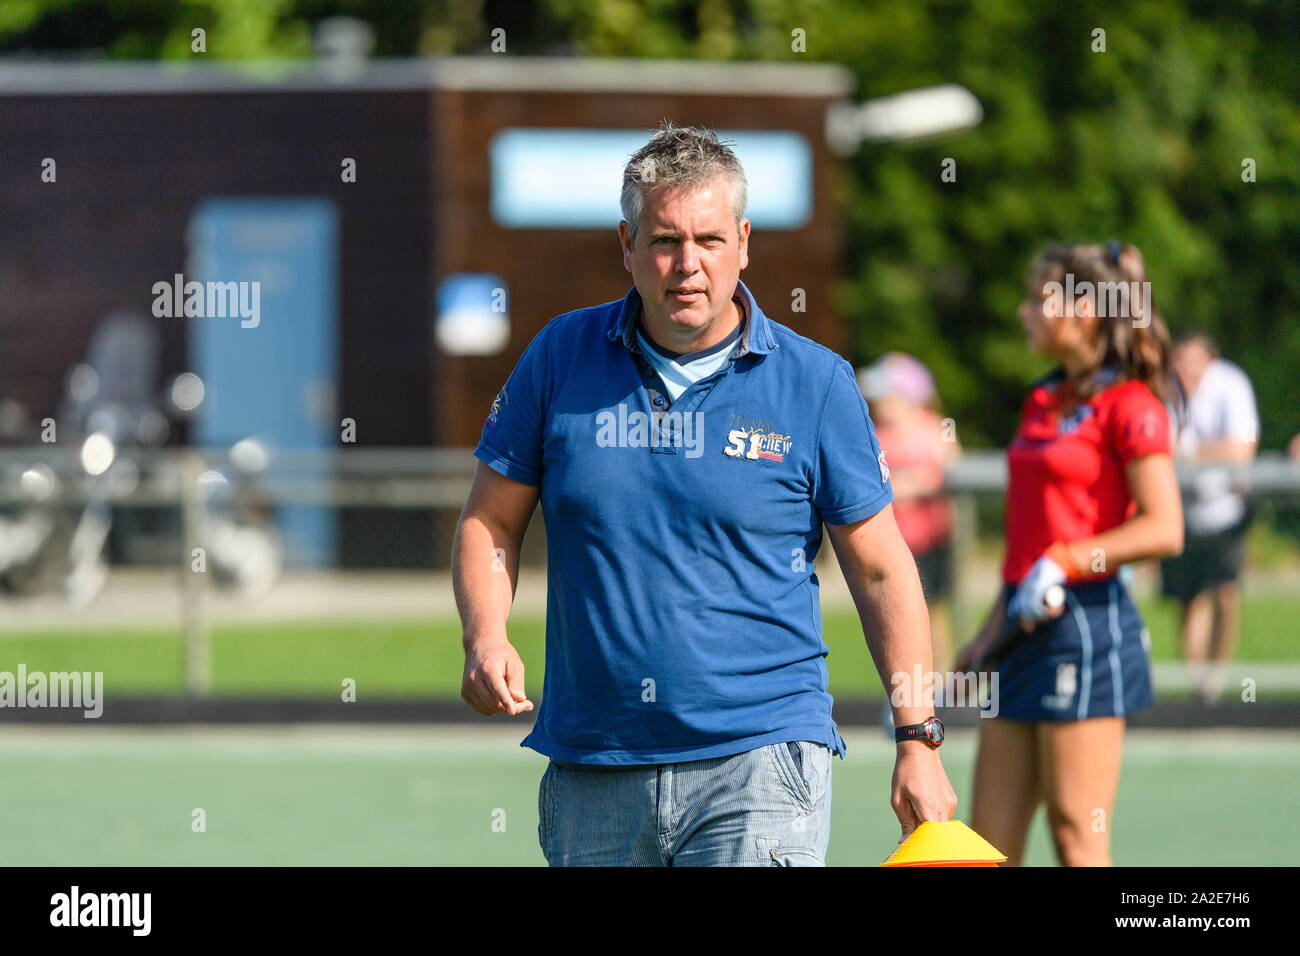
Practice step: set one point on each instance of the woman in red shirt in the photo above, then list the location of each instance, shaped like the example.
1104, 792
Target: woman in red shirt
1091, 488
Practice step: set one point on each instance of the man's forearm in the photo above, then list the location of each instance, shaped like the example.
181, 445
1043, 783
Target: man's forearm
881, 575
1226, 451
897, 628
484, 573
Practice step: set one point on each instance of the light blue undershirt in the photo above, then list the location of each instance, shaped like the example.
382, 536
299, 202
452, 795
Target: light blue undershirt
679, 375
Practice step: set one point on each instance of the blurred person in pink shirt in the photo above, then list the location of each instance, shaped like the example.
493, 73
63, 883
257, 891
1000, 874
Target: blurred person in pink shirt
918, 444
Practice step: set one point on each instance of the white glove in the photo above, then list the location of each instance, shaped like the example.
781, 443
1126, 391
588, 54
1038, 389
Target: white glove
1031, 602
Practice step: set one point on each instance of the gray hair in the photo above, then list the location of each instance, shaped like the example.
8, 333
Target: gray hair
677, 157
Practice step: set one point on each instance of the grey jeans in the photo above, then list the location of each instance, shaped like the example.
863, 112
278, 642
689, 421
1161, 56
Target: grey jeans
770, 806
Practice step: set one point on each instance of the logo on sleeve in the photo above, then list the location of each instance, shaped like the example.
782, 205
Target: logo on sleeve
884, 468
1148, 426
500, 400
754, 440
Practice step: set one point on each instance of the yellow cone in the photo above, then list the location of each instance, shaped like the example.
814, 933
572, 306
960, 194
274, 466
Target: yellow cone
945, 844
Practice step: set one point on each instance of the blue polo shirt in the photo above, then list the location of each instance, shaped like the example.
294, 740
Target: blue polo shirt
683, 619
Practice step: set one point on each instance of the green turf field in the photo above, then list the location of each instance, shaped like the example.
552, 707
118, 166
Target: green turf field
420, 658
430, 795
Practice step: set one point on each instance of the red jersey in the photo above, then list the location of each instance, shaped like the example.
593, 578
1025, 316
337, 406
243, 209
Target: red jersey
1066, 474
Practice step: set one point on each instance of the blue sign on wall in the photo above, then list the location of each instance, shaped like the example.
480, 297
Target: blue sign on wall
553, 178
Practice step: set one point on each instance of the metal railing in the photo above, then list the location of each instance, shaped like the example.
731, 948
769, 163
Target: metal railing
441, 477
438, 479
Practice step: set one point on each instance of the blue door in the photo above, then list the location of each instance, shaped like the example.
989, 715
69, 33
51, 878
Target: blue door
267, 347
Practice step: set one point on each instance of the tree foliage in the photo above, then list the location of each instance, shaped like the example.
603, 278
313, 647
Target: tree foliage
1145, 141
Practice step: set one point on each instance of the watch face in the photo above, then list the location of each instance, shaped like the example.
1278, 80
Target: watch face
934, 730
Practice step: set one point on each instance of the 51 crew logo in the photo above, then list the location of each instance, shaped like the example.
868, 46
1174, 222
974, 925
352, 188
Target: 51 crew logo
756, 444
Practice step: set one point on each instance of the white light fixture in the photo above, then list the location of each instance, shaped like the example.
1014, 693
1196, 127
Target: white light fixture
911, 115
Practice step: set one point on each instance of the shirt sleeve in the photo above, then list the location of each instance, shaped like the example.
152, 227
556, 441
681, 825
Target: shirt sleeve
1240, 417
1140, 425
851, 481
511, 442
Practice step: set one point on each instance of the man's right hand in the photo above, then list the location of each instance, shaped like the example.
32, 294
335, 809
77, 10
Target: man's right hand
494, 679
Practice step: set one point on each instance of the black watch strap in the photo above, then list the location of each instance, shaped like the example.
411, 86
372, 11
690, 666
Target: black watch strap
928, 730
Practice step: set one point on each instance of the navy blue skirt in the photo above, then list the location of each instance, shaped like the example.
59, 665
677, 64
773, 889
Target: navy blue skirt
1092, 661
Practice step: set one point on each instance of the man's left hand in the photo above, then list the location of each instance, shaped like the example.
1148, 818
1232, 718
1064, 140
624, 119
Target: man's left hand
921, 791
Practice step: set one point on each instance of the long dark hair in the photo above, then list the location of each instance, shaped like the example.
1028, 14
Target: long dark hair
1134, 338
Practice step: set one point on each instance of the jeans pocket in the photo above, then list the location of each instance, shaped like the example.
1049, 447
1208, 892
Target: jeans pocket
791, 775
817, 771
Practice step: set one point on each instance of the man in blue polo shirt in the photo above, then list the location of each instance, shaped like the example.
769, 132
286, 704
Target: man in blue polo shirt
686, 451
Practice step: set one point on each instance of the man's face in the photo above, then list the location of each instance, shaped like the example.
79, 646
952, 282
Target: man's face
686, 261
1189, 361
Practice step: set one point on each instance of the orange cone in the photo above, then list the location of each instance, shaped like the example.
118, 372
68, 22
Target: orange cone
945, 844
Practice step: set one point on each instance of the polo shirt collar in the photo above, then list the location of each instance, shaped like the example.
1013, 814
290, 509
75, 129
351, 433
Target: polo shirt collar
757, 337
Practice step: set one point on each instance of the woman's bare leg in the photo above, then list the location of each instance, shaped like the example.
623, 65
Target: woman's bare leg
1079, 761
1007, 788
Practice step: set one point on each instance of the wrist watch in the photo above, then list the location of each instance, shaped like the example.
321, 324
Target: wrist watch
931, 731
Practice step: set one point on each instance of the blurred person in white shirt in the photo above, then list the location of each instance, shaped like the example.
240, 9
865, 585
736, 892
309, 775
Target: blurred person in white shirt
1219, 424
